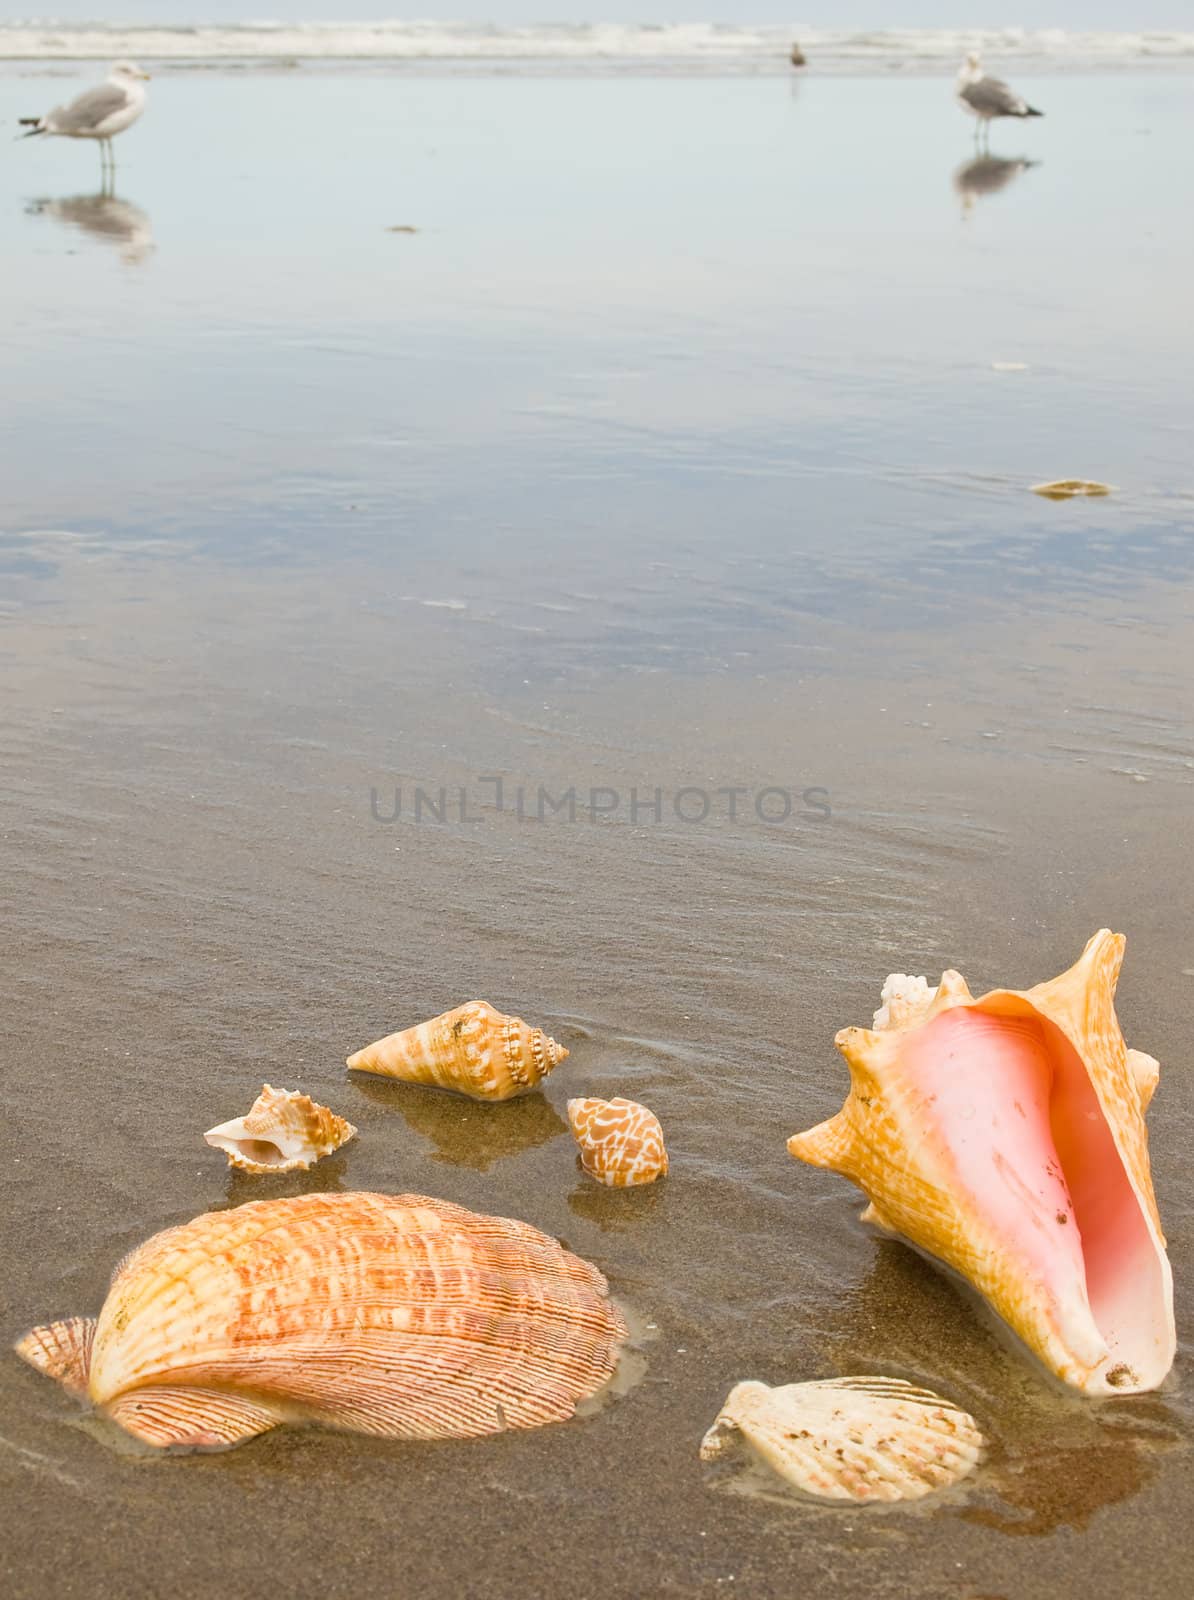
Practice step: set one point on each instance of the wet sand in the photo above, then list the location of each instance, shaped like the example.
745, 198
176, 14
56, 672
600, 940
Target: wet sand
668, 454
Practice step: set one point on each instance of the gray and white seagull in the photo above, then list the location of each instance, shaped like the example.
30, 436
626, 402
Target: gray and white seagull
988, 98
99, 113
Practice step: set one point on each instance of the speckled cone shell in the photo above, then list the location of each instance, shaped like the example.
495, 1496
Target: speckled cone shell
394, 1315
620, 1142
863, 1439
473, 1050
284, 1131
1005, 1137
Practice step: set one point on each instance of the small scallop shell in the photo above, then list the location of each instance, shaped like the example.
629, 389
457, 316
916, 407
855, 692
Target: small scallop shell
472, 1050
864, 1439
1070, 488
621, 1142
394, 1315
283, 1131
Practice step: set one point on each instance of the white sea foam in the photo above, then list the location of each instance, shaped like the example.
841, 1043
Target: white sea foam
600, 47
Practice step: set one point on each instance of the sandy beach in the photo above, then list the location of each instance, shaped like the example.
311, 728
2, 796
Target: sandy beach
662, 441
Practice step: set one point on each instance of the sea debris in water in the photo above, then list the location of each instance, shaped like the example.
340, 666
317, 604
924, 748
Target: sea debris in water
621, 1142
1071, 489
865, 1439
472, 1050
1005, 1137
395, 1315
283, 1131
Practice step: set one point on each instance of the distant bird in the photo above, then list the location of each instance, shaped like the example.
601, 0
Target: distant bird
99, 113
988, 98
797, 56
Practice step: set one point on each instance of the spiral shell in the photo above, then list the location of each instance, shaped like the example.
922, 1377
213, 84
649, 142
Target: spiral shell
621, 1142
472, 1050
401, 1316
864, 1439
283, 1131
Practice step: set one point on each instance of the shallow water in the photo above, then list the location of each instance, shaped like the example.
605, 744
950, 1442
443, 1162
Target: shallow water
669, 453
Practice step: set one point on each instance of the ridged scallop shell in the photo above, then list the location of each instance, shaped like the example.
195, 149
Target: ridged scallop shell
399, 1315
283, 1131
621, 1142
864, 1439
1005, 1137
473, 1050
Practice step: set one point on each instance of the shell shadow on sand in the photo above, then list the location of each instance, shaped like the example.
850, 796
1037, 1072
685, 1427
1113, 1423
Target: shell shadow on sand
468, 1133
328, 1176
614, 1210
1053, 1459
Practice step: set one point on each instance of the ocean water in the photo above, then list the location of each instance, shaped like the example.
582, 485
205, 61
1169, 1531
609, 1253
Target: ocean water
606, 47
664, 442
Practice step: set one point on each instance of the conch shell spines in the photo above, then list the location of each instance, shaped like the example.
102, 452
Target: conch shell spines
1005, 1136
473, 1050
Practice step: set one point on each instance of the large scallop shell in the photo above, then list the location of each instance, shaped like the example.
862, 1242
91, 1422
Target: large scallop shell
283, 1131
621, 1142
474, 1050
865, 1439
394, 1315
1005, 1137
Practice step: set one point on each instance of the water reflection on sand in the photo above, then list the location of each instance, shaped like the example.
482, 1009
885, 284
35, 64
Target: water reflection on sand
104, 217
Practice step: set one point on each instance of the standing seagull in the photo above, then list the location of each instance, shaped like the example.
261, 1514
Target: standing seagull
988, 98
97, 113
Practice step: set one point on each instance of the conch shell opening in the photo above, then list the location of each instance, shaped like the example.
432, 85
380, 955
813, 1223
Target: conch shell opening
1005, 1137
473, 1050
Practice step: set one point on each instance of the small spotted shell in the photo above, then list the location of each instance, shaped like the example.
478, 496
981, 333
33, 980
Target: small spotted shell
621, 1142
473, 1050
283, 1131
863, 1439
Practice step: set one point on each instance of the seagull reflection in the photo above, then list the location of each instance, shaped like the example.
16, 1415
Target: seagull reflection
104, 216
987, 175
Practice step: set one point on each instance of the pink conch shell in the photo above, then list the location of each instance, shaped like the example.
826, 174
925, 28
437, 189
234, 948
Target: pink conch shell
621, 1142
864, 1439
385, 1314
473, 1050
1005, 1137
282, 1132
